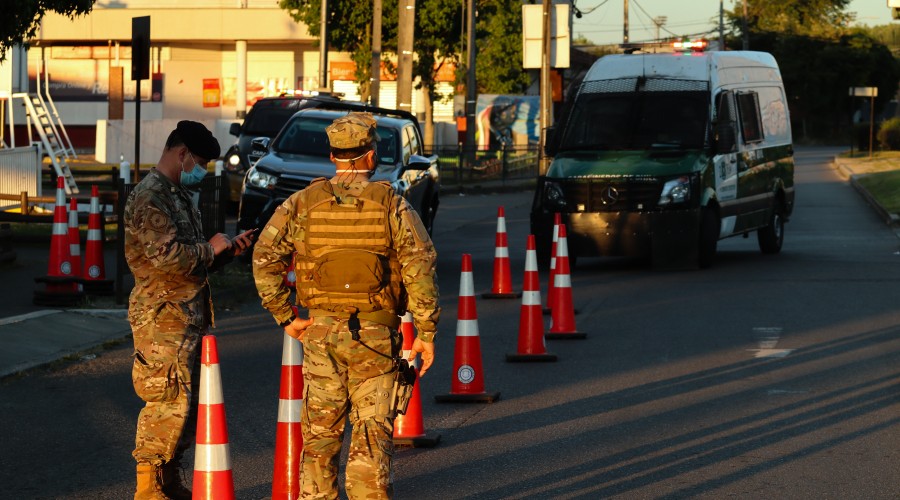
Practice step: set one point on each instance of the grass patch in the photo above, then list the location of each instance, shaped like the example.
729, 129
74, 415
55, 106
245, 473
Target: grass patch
876, 155
884, 188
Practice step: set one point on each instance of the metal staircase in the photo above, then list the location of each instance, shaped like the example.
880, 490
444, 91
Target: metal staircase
55, 148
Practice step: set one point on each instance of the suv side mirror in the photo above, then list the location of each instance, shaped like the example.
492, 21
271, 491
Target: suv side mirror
550, 141
260, 145
417, 162
235, 129
725, 138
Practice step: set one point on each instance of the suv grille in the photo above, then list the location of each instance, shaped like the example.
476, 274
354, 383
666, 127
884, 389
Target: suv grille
604, 195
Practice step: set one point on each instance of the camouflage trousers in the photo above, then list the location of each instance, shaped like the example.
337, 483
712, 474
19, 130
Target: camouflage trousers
335, 366
166, 368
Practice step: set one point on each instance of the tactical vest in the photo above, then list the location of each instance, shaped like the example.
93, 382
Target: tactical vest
347, 261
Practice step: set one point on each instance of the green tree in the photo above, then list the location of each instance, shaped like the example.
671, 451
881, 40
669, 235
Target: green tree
21, 18
820, 18
498, 33
437, 43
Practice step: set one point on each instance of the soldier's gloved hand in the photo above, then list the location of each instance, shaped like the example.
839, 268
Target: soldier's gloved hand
297, 327
427, 351
220, 242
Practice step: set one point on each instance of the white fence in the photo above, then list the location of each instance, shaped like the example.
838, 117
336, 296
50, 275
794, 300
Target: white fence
20, 170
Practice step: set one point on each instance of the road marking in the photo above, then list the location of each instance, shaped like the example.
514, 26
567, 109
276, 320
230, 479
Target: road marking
767, 337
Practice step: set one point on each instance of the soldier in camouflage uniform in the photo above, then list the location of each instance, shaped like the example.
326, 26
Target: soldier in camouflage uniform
362, 257
170, 307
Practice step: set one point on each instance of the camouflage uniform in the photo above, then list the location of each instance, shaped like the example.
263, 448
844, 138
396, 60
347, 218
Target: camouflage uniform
339, 372
170, 309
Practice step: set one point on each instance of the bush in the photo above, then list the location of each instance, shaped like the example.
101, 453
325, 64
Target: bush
889, 134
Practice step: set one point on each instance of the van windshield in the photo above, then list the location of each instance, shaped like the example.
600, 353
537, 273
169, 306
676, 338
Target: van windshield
637, 121
306, 136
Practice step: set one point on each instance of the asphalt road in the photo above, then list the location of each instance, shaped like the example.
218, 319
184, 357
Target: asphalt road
763, 377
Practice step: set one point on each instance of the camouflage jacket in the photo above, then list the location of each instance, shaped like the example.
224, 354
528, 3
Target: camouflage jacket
167, 253
284, 235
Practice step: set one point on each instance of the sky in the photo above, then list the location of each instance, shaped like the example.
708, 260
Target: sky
603, 25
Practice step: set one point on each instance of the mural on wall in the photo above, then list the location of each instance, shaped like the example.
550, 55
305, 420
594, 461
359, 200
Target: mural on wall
504, 121
256, 89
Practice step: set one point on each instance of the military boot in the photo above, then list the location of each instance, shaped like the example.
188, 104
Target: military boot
149, 483
171, 481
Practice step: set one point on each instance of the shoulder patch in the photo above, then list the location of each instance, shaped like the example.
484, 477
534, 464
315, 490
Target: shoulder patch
157, 221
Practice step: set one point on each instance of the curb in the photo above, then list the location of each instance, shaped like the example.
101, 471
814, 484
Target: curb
890, 219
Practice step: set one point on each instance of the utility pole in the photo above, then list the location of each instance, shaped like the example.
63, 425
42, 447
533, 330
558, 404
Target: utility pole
405, 34
375, 76
546, 91
625, 25
721, 26
323, 46
471, 91
746, 35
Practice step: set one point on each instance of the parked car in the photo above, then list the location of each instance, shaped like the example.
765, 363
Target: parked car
264, 119
300, 153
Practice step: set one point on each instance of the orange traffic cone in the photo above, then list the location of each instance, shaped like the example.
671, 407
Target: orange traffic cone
74, 238
502, 287
531, 321
551, 288
468, 384
289, 436
562, 318
61, 282
408, 428
94, 279
212, 459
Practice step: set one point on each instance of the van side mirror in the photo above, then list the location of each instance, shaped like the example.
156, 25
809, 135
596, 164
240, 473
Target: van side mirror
235, 129
550, 141
260, 145
725, 137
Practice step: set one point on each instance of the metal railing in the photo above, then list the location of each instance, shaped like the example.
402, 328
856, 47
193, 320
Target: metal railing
461, 165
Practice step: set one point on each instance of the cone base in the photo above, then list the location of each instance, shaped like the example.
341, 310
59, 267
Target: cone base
57, 299
484, 397
425, 441
565, 335
518, 358
510, 295
547, 311
98, 287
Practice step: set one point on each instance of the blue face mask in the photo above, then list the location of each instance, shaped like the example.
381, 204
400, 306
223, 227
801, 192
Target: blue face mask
192, 178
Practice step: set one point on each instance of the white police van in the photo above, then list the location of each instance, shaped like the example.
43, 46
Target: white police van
665, 154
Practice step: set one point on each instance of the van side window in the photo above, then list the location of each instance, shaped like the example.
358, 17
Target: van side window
724, 130
748, 109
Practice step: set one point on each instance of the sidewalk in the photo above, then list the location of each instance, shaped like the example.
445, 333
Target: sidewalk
853, 168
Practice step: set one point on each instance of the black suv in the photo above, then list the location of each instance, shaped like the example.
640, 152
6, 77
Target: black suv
300, 153
264, 119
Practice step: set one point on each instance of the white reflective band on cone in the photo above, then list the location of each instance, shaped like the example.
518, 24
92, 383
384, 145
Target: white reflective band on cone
291, 352
467, 328
289, 411
501, 224
562, 281
212, 458
93, 235
210, 393
466, 287
501, 252
60, 228
531, 298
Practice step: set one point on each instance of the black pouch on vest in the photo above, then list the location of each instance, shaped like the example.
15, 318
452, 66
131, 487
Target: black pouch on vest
349, 271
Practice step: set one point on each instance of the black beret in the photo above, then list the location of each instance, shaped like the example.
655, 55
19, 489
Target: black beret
198, 139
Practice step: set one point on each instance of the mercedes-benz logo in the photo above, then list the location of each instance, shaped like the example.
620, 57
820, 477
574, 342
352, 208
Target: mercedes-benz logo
609, 196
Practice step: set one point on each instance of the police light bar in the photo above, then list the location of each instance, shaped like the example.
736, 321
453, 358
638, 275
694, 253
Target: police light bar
695, 45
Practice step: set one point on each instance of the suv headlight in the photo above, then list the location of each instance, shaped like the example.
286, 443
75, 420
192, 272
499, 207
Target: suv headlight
261, 180
554, 195
676, 191
233, 163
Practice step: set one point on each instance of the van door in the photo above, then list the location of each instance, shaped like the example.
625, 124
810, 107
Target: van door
726, 166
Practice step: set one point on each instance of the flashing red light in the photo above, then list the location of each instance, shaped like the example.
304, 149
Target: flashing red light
694, 45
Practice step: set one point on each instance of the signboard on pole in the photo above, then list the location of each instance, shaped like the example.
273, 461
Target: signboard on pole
864, 91
532, 36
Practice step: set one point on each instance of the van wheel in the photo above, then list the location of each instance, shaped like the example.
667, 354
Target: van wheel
771, 237
709, 238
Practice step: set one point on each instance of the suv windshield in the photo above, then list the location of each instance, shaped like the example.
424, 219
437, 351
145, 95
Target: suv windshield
638, 121
306, 136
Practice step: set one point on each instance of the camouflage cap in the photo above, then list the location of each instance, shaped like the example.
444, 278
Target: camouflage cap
356, 130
